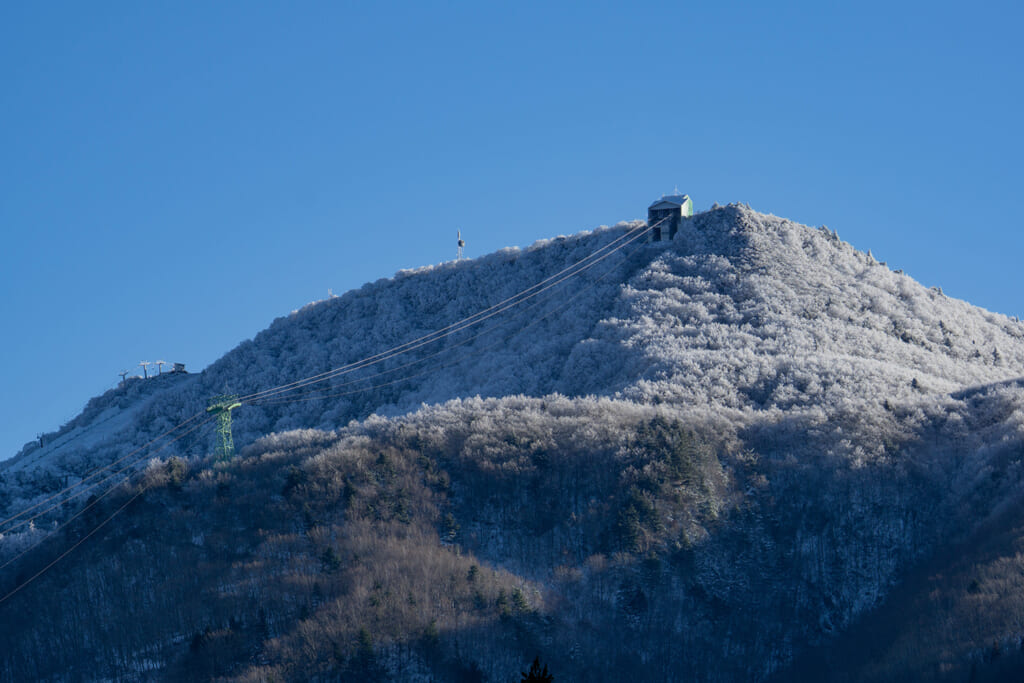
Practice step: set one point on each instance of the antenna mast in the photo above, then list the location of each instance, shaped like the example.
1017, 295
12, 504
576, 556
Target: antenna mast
159, 366
462, 244
123, 373
145, 364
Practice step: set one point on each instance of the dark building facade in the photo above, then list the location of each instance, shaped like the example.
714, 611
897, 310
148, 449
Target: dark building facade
666, 214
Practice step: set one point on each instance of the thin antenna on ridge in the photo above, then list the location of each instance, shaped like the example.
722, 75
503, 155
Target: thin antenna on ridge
123, 373
145, 364
159, 366
462, 244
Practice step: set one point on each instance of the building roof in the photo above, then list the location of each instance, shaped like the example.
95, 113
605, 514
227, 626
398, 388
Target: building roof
671, 200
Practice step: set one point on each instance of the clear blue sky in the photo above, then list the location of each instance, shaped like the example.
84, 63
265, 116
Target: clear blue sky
175, 175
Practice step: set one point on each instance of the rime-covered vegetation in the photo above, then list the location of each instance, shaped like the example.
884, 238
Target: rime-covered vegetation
712, 459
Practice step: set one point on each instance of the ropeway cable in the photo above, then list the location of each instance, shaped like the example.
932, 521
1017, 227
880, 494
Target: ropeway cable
466, 322
67, 552
96, 484
516, 299
294, 398
469, 321
273, 400
458, 325
75, 516
95, 471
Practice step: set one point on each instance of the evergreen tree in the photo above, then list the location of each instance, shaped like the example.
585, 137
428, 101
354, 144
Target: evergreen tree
536, 674
363, 664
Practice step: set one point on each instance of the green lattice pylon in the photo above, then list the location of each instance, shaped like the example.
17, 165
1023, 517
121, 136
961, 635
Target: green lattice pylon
221, 406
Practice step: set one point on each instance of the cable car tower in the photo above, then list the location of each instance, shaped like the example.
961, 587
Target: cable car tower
221, 406
462, 245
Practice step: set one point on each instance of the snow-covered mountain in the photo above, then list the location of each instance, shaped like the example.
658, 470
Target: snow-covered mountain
858, 419
742, 311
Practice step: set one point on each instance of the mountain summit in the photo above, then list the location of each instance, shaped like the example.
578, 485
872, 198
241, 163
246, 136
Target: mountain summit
690, 459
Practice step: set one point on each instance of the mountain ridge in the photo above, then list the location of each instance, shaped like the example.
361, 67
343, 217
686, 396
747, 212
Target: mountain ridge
742, 311
752, 429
